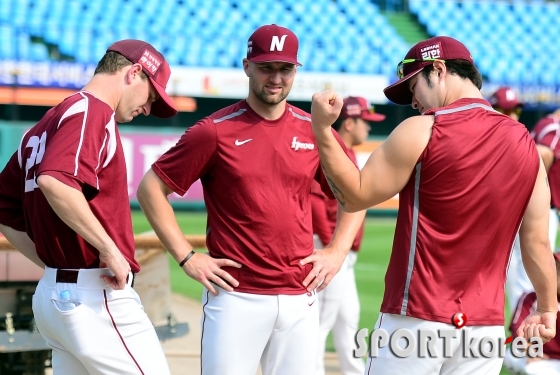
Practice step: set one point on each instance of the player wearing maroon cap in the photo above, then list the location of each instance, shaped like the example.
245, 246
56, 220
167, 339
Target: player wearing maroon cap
550, 363
339, 306
504, 100
256, 160
468, 177
64, 204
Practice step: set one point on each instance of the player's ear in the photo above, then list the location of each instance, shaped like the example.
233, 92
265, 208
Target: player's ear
349, 124
439, 67
246, 66
135, 70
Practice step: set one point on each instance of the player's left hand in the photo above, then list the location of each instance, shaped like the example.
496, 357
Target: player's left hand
538, 324
326, 263
325, 109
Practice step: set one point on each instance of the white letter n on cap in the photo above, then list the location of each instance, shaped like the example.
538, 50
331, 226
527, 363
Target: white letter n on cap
277, 44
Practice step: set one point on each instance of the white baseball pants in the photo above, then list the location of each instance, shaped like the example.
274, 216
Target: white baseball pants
535, 367
339, 311
241, 329
387, 363
107, 333
517, 281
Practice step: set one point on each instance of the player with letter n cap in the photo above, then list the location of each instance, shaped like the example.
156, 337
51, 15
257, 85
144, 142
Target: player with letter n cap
64, 204
256, 160
460, 207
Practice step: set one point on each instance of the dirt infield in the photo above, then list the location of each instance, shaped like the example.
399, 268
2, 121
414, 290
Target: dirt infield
183, 353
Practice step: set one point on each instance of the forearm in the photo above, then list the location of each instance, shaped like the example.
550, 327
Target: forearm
22, 242
341, 173
346, 229
540, 267
73, 209
152, 196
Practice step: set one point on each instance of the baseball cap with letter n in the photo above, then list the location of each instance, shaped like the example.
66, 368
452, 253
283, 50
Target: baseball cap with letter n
156, 68
273, 43
421, 55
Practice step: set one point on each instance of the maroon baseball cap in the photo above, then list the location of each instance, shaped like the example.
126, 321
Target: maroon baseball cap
505, 98
156, 68
420, 55
358, 107
273, 43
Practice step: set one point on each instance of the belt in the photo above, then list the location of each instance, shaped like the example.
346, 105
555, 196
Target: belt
71, 276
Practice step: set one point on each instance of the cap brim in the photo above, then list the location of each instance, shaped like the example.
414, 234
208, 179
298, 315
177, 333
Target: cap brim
164, 106
398, 92
511, 106
373, 117
273, 58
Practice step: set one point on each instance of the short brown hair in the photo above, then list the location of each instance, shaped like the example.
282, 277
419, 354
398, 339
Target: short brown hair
112, 62
462, 68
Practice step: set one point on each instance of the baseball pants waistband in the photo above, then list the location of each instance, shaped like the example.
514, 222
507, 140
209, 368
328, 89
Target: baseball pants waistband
83, 278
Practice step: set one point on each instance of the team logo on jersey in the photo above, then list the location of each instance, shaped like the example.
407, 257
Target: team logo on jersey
297, 145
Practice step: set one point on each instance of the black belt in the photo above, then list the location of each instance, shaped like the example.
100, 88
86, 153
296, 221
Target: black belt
71, 276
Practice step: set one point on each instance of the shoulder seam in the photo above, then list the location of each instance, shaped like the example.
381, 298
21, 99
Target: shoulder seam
230, 116
298, 116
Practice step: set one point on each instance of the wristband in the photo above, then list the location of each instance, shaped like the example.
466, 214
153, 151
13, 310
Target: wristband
186, 259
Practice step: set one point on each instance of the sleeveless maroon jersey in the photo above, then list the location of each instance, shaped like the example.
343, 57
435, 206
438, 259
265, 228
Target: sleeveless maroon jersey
325, 210
257, 177
78, 143
547, 133
458, 216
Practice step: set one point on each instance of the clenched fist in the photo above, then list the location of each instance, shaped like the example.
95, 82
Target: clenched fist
325, 109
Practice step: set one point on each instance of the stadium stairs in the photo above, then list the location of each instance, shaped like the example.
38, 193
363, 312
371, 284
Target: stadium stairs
407, 26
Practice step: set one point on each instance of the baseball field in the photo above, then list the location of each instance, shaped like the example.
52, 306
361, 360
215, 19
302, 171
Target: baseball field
370, 268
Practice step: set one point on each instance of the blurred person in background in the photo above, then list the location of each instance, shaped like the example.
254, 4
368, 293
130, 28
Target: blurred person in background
546, 135
550, 363
339, 306
504, 100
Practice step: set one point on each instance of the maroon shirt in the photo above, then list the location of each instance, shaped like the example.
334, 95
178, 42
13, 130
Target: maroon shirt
78, 143
526, 305
257, 177
547, 133
458, 216
324, 213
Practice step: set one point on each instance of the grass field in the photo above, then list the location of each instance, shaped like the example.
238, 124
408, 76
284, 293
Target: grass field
370, 267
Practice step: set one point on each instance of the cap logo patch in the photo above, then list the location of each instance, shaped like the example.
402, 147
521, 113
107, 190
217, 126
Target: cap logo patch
354, 110
250, 46
431, 52
149, 61
510, 95
277, 44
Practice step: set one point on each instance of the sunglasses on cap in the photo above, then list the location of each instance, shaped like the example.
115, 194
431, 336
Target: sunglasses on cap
400, 69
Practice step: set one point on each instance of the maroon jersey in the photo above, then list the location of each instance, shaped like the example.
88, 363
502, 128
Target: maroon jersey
458, 216
78, 143
547, 133
256, 176
324, 213
526, 305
